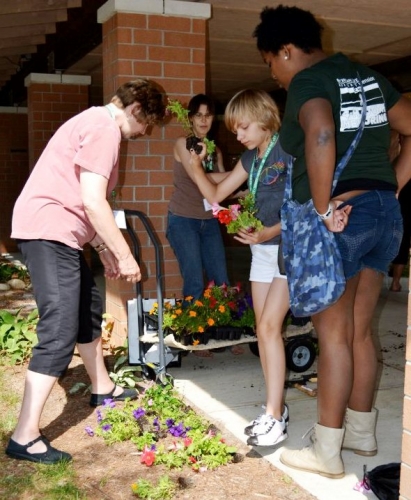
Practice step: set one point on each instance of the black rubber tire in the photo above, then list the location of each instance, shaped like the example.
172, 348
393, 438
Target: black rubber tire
300, 354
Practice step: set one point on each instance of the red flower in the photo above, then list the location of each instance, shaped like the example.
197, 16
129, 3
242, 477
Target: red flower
224, 216
192, 460
187, 441
148, 457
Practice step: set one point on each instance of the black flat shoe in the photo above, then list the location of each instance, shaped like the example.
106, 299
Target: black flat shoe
98, 399
50, 456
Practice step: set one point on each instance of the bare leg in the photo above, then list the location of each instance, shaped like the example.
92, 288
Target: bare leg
36, 391
397, 270
335, 330
270, 341
364, 353
259, 293
93, 359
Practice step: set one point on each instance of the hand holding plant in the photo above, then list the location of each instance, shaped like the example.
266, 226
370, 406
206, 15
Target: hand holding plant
239, 216
181, 113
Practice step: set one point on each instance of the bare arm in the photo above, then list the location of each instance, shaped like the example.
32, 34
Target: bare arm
399, 117
93, 192
317, 121
214, 193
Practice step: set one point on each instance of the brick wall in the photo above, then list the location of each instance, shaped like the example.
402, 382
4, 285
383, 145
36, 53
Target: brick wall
13, 168
169, 49
53, 99
405, 486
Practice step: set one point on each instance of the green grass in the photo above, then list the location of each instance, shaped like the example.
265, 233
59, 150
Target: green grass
21, 479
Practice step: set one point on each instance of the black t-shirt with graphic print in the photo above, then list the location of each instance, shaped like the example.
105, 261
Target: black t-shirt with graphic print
335, 79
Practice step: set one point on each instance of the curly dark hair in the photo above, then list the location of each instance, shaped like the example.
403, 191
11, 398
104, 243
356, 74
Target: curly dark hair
148, 94
282, 25
197, 101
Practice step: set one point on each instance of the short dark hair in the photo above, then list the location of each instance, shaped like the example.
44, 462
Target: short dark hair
282, 25
148, 94
197, 101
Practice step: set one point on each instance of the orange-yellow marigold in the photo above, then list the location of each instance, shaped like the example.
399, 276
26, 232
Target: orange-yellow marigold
210, 322
192, 314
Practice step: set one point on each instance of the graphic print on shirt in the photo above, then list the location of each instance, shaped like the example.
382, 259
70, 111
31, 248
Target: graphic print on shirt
351, 104
271, 173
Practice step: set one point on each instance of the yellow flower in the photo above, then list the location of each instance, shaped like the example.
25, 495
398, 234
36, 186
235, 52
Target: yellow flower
221, 309
174, 316
192, 314
196, 342
210, 322
198, 303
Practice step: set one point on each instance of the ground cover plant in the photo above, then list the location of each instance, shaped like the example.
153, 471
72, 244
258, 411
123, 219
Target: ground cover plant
157, 447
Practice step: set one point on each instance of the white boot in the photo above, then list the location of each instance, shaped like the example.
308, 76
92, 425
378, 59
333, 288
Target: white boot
322, 457
360, 432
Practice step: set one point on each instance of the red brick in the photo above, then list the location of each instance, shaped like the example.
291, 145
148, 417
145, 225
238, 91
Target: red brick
171, 23
192, 71
170, 54
184, 40
147, 69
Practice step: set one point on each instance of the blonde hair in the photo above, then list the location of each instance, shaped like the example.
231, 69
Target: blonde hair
254, 105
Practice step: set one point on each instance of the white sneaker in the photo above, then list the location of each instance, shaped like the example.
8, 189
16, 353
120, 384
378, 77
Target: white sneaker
249, 430
270, 432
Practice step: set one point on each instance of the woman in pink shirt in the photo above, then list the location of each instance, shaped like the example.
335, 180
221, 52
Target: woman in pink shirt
62, 207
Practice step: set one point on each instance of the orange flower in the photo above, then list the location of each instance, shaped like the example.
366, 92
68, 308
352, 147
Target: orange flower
200, 329
210, 322
179, 311
221, 309
198, 303
192, 314
189, 298
196, 342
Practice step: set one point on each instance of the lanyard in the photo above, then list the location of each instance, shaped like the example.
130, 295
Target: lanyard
253, 182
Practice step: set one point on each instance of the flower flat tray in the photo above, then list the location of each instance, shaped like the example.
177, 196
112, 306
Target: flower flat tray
170, 341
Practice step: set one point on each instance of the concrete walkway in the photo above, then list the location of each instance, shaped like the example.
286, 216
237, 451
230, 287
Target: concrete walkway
230, 389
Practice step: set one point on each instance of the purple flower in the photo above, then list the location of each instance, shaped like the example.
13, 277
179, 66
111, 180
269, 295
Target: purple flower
169, 422
138, 413
99, 416
109, 403
89, 431
177, 430
106, 427
156, 424
153, 447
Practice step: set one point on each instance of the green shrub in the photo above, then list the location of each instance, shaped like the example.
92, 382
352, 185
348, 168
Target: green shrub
17, 335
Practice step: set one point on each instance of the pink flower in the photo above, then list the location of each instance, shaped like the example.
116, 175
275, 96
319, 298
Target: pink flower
235, 211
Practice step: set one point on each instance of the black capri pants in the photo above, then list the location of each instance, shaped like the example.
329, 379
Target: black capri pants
69, 303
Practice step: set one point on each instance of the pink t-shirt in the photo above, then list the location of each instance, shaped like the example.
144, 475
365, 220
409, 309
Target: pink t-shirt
50, 205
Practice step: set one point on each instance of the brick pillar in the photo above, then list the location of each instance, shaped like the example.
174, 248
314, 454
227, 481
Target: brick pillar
166, 42
52, 100
405, 484
14, 167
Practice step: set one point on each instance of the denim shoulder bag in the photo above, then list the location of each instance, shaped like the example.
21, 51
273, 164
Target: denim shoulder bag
312, 259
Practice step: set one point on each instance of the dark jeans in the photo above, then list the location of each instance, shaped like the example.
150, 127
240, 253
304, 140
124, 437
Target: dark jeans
199, 248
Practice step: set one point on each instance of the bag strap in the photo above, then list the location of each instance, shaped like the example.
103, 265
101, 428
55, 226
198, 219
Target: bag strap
347, 155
